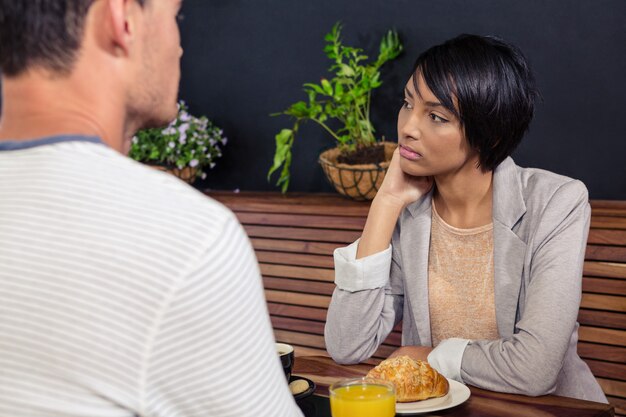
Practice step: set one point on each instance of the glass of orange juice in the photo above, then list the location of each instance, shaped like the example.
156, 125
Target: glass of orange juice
362, 397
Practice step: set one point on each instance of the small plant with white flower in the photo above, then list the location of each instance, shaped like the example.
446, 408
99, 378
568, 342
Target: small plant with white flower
187, 147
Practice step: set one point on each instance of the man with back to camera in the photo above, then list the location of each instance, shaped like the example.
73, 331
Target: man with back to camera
123, 291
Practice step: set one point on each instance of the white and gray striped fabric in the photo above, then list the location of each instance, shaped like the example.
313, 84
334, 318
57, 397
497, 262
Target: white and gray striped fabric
124, 292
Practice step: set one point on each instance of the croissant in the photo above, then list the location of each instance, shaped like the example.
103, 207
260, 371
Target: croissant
414, 380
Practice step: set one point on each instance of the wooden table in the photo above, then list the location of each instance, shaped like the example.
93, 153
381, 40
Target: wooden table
482, 403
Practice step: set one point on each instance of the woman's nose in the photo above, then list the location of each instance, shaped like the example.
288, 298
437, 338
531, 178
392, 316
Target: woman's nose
410, 126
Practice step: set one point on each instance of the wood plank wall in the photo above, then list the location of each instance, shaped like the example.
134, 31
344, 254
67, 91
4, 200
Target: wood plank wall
294, 237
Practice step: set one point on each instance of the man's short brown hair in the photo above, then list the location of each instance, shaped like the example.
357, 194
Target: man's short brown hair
42, 33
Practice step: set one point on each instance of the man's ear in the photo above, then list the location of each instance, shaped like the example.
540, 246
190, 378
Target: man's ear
121, 15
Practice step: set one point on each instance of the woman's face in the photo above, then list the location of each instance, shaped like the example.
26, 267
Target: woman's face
431, 139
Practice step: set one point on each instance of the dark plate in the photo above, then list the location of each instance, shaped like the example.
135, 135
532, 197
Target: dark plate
309, 390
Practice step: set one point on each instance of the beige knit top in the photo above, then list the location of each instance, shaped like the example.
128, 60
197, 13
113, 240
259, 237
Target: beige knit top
460, 282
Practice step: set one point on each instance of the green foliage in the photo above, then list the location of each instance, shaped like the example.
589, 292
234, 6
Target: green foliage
344, 97
188, 141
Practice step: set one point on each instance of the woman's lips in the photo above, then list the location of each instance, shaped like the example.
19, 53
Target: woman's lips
409, 154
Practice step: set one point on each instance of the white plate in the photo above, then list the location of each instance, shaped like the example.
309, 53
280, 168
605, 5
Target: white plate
457, 394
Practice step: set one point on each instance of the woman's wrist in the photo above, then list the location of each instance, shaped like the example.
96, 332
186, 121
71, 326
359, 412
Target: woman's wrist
381, 221
388, 201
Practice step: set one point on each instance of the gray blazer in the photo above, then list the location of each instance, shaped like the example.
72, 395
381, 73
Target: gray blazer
540, 228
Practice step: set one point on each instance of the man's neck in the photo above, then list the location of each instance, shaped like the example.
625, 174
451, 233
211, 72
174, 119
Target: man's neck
35, 105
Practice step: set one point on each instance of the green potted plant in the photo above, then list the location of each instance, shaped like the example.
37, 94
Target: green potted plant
357, 164
186, 148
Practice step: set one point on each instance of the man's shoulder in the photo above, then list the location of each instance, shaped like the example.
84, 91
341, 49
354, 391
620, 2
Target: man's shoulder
129, 186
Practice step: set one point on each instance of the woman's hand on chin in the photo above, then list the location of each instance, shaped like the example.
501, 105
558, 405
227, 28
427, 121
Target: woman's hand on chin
401, 188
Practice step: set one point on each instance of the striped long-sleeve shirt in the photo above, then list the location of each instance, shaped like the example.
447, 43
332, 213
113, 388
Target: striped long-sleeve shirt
125, 292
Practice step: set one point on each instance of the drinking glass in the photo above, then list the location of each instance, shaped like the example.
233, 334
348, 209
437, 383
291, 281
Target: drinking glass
362, 397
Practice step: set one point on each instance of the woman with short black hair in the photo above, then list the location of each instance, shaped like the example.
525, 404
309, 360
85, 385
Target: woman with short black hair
481, 259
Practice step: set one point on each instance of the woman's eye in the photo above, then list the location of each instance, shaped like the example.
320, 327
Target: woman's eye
406, 104
437, 119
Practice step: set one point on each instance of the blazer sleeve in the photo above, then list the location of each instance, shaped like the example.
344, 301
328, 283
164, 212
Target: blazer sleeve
529, 362
365, 305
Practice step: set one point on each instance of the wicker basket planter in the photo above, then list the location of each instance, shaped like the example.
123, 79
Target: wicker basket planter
186, 174
358, 182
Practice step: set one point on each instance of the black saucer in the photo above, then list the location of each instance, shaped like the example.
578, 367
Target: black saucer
309, 390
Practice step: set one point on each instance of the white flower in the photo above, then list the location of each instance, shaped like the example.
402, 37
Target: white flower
203, 176
225, 141
170, 130
135, 139
193, 163
183, 128
212, 142
183, 137
212, 165
184, 116
171, 144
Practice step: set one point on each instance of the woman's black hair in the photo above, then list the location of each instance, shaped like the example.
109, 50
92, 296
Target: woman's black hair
494, 90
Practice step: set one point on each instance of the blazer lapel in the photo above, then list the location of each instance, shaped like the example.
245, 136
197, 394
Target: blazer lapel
509, 249
415, 238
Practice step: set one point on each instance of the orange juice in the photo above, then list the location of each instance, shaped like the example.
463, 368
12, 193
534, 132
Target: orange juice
362, 399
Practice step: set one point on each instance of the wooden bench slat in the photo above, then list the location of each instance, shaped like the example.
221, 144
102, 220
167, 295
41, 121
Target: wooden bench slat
603, 352
607, 237
600, 335
604, 302
604, 369
298, 325
608, 222
298, 259
597, 318
604, 286
298, 272
295, 298
604, 269
310, 313
296, 285
268, 202
608, 207
302, 220
342, 237
605, 253
613, 387
295, 246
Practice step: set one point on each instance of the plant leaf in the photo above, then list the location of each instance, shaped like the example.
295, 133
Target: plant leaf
328, 89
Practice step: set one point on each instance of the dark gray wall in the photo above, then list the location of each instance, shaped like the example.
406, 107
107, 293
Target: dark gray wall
245, 59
